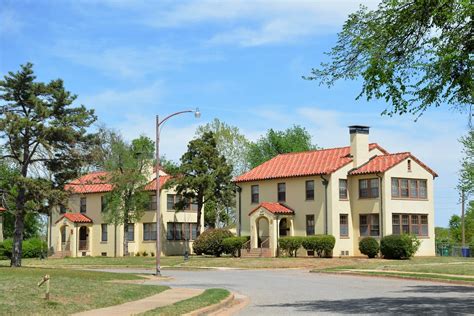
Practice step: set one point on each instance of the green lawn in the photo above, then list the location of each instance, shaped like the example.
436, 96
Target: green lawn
207, 298
193, 262
71, 291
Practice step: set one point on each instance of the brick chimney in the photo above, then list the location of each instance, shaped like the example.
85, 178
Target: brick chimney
359, 144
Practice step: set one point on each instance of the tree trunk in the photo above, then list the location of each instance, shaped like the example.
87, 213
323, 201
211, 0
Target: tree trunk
19, 228
125, 230
198, 218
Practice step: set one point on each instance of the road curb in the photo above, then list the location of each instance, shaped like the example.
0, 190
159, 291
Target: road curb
434, 280
213, 308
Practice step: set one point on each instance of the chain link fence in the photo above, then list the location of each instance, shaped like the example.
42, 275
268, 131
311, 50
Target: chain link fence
453, 250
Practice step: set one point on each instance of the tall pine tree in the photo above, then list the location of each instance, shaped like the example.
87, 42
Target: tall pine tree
45, 138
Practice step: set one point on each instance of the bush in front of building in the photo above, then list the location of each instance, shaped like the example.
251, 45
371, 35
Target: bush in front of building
210, 242
322, 245
290, 245
399, 246
232, 245
32, 248
369, 246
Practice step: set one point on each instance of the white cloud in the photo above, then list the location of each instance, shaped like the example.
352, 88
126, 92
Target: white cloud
246, 23
125, 99
127, 61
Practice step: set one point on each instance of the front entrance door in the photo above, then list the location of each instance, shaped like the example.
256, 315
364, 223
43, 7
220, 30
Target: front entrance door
283, 227
83, 234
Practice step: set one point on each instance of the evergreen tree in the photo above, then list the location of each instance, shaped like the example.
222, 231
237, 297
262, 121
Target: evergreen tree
44, 137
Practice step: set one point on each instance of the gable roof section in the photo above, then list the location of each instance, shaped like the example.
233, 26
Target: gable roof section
75, 218
2, 209
307, 163
380, 164
274, 208
151, 186
95, 182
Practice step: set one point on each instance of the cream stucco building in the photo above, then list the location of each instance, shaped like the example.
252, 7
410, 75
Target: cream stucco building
79, 228
348, 192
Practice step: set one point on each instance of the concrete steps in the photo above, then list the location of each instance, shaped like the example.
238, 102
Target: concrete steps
256, 253
61, 254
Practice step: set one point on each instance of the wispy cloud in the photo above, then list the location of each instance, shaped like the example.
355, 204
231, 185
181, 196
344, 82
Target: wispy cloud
121, 101
246, 23
127, 61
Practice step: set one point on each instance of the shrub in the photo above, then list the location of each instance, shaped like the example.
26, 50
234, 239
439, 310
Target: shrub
32, 248
322, 245
144, 253
232, 245
137, 254
369, 246
210, 242
290, 245
399, 246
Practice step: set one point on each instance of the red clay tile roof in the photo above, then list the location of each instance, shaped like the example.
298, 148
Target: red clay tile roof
95, 182
2, 209
382, 163
305, 163
75, 218
151, 186
275, 208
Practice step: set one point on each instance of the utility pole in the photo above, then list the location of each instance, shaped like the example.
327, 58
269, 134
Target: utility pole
463, 234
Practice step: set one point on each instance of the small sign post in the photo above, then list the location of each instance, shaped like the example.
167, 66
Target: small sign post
45, 280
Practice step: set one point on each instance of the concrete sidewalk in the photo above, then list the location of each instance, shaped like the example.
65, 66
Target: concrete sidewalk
167, 297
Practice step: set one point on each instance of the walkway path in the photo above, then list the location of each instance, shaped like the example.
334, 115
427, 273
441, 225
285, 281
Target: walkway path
167, 297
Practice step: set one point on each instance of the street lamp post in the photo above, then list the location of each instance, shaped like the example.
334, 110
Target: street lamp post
197, 114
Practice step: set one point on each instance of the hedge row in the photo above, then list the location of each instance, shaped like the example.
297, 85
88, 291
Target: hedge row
232, 245
32, 248
322, 245
391, 247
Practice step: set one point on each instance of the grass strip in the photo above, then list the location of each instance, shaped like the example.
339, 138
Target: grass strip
417, 276
207, 298
71, 291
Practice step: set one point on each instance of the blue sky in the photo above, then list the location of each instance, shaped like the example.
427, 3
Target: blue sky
239, 61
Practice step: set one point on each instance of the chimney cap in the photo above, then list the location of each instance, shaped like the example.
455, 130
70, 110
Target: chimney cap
359, 129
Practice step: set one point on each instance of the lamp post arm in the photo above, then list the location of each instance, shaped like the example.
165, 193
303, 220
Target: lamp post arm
174, 114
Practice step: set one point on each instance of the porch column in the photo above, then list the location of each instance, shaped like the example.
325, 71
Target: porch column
292, 227
254, 233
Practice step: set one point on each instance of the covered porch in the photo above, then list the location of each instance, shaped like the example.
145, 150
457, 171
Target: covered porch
74, 238
268, 222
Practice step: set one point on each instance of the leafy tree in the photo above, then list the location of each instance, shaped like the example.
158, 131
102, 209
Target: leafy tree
128, 166
169, 166
466, 182
234, 147
205, 175
43, 137
442, 234
230, 143
293, 139
412, 54
455, 225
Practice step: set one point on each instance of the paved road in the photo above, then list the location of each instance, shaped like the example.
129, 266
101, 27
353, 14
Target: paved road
290, 292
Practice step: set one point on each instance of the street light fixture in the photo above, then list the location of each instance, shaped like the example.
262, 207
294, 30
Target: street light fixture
197, 114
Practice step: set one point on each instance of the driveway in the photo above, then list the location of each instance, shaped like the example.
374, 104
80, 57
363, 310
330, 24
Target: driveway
289, 292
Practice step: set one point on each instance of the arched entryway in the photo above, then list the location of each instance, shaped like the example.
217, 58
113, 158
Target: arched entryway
283, 228
65, 242
263, 232
83, 238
